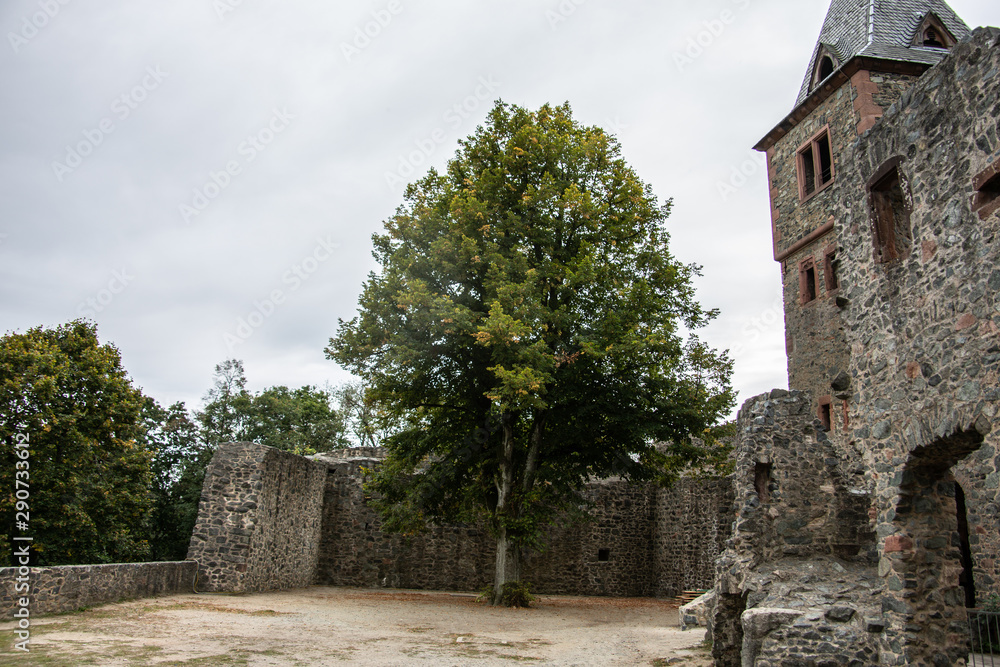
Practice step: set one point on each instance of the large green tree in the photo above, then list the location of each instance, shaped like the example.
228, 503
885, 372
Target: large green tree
88, 470
532, 327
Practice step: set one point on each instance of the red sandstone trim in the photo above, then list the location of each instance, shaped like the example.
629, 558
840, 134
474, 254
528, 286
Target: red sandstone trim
864, 104
818, 234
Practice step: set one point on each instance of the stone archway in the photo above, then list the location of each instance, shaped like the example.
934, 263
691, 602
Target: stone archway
925, 553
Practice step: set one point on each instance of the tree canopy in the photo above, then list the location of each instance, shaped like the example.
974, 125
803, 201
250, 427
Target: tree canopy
88, 470
531, 327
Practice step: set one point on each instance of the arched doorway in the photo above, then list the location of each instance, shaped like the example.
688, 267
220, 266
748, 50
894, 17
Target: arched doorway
931, 572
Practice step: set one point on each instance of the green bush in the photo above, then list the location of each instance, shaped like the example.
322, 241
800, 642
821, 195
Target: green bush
515, 594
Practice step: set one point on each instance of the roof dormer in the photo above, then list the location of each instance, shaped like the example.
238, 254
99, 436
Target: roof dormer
932, 33
826, 63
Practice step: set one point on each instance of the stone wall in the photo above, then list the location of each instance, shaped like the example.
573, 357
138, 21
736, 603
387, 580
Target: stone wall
925, 336
56, 590
640, 541
259, 520
865, 545
799, 569
692, 523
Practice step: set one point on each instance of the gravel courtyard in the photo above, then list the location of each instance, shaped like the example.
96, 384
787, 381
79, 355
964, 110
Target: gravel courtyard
336, 626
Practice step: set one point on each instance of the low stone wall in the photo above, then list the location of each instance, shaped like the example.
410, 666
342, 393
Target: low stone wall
70, 587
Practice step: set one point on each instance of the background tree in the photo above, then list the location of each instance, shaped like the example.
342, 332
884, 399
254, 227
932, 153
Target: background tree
529, 324
302, 421
226, 416
366, 420
179, 462
89, 470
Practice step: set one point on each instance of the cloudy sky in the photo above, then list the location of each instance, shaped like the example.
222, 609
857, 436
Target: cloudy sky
202, 177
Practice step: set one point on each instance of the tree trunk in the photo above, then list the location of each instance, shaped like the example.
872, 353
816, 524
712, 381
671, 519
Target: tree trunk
508, 566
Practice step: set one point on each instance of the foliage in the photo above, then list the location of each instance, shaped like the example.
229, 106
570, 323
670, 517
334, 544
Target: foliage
365, 419
179, 463
528, 328
515, 594
89, 470
302, 421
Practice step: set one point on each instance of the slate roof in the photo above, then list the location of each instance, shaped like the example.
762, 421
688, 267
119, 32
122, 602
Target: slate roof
881, 29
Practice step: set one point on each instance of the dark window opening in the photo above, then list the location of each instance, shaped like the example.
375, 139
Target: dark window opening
825, 68
762, 481
807, 281
890, 218
932, 39
815, 165
965, 580
831, 271
809, 170
603, 555
825, 160
826, 416
987, 186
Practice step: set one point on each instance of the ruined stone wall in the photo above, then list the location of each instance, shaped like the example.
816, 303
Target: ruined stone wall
889, 87
925, 347
259, 520
795, 584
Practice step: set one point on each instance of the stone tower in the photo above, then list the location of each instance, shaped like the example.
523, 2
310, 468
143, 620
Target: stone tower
868, 53
868, 497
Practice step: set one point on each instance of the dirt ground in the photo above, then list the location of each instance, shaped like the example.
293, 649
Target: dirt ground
335, 626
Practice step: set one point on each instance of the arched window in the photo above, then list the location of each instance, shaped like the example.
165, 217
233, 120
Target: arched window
825, 67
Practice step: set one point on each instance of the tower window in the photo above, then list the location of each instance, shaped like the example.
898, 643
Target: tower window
987, 186
830, 271
825, 68
890, 211
931, 39
826, 413
815, 165
603, 555
807, 280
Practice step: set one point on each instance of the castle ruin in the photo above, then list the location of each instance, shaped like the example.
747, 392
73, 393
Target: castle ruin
864, 514
867, 504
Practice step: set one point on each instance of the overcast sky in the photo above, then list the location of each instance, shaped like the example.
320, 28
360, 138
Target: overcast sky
168, 168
